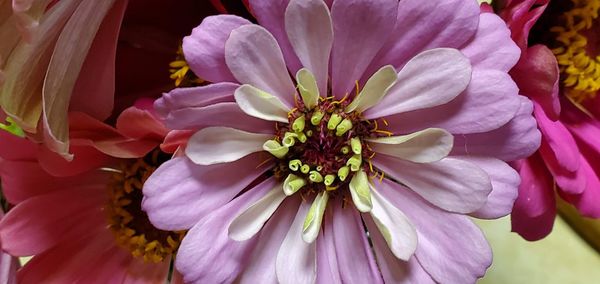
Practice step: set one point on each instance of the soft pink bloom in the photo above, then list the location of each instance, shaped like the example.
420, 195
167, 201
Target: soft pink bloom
69, 54
568, 154
64, 212
431, 74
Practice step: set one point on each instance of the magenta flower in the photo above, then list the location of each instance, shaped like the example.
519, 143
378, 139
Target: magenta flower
394, 129
566, 160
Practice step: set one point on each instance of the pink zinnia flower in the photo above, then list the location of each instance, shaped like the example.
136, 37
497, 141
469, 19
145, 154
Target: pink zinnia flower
567, 157
395, 130
82, 219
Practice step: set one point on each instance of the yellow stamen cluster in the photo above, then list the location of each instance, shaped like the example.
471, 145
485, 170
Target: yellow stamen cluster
180, 72
129, 223
581, 70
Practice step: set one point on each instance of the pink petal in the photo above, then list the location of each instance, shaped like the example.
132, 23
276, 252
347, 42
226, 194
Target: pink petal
431, 78
254, 57
354, 256
423, 25
66, 62
204, 49
85, 158
537, 76
451, 248
360, 28
180, 193
489, 102
505, 184
141, 272
311, 39
328, 270
140, 124
535, 208
559, 141
587, 201
569, 181
517, 139
393, 269
297, 260
261, 265
41, 222
206, 254
271, 15
16, 148
492, 47
94, 89
195, 97
450, 184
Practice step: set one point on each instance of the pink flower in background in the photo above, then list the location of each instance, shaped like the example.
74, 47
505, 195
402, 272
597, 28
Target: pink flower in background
8, 264
82, 219
567, 159
400, 118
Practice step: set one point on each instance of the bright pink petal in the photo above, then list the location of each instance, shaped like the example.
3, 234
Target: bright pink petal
360, 28
261, 265
450, 184
94, 89
517, 139
85, 158
180, 193
311, 39
16, 148
587, 201
204, 49
569, 181
451, 248
206, 254
271, 14
535, 208
505, 184
489, 102
423, 25
39, 223
492, 47
254, 58
354, 256
140, 124
393, 269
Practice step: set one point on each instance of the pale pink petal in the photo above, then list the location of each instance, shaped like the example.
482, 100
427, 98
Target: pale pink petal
393, 269
271, 15
94, 89
215, 145
328, 270
254, 58
505, 184
424, 25
432, 78
180, 193
451, 248
360, 28
206, 254
297, 260
66, 62
261, 265
354, 256
41, 222
311, 39
489, 102
517, 139
195, 97
204, 49
492, 47
450, 184
141, 272
535, 208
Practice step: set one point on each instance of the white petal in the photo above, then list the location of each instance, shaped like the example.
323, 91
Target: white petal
361, 192
297, 259
425, 146
249, 222
433, 77
395, 227
308, 88
214, 145
375, 89
314, 218
311, 39
260, 104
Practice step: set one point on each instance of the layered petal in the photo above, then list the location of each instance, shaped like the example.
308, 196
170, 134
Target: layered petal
425, 146
215, 145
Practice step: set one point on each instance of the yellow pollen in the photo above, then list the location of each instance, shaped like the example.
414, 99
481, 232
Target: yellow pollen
130, 225
580, 69
180, 72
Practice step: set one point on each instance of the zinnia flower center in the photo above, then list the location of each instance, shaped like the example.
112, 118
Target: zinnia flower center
577, 50
128, 221
322, 148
